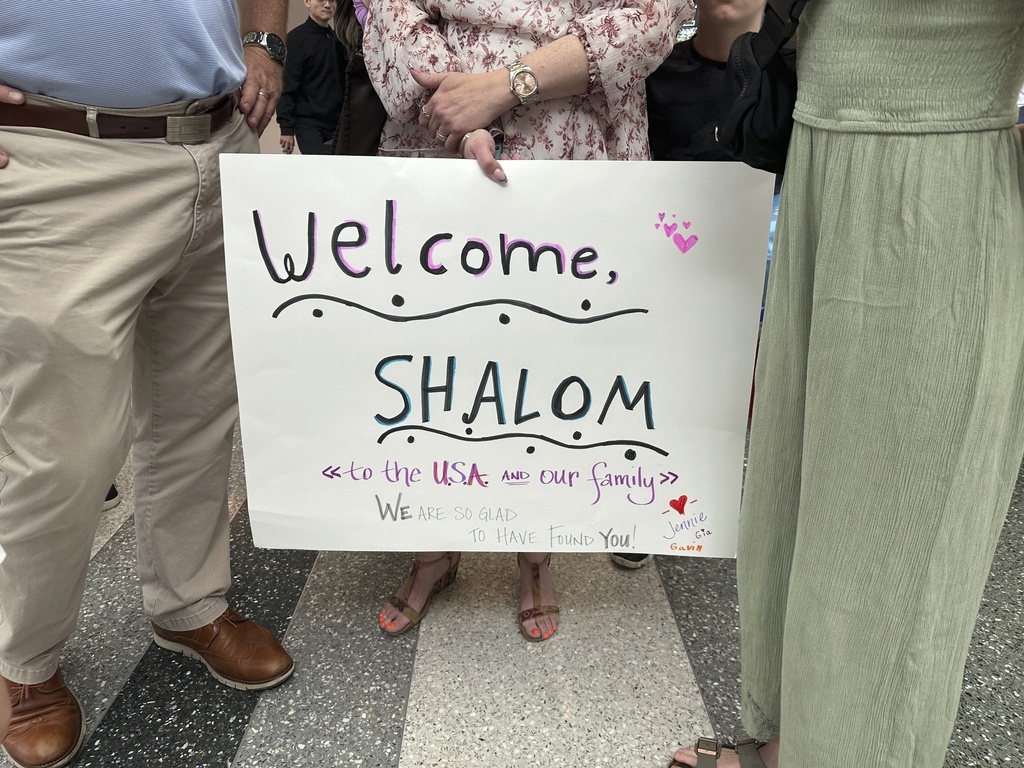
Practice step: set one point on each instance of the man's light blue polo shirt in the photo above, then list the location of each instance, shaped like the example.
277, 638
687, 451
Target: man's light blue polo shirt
121, 53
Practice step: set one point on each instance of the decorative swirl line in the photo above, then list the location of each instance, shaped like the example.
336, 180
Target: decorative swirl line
488, 438
443, 312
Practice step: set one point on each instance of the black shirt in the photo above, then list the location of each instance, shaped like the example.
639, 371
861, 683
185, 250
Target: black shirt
683, 106
313, 91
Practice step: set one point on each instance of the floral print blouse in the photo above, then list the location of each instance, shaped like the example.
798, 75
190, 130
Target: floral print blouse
625, 40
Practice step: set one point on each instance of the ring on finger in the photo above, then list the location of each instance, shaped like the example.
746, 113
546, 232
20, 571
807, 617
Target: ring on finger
423, 111
462, 144
440, 136
263, 94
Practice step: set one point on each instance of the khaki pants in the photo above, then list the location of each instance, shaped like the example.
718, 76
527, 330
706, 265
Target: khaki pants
113, 324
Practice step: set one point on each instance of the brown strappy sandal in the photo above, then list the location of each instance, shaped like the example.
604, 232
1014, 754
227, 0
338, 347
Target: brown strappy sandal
537, 609
400, 602
709, 750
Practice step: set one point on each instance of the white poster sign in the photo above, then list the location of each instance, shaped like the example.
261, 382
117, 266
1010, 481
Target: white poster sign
427, 360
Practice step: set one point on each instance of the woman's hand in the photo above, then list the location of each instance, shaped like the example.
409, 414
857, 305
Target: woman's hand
479, 145
462, 102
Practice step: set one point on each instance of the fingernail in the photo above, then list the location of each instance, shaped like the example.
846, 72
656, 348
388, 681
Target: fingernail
499, 176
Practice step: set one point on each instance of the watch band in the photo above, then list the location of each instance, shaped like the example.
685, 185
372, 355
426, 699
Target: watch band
268, 41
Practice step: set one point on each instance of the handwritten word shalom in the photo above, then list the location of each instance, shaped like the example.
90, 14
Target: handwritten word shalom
475, 256
570, 400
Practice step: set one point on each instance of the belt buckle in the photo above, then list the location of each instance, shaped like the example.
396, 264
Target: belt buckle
188, 129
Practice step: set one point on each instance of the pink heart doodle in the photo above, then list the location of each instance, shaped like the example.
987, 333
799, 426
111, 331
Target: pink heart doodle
669, 229
684, 244
686, 225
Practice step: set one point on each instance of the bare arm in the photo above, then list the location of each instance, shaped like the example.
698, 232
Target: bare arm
262, 86
608, 51
462, 102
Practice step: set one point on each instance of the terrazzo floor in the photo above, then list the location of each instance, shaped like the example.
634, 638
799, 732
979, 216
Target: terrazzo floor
644, 660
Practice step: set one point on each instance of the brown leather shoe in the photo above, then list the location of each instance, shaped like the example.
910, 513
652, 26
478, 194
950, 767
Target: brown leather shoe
47, 724
238, 652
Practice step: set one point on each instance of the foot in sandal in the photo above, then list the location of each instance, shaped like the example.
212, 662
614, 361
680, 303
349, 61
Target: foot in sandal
538, 606
709, 753
431, 572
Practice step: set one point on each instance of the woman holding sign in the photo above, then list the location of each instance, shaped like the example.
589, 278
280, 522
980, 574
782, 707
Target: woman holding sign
545, 80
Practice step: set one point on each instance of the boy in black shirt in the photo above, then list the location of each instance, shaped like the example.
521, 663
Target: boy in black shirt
311, 102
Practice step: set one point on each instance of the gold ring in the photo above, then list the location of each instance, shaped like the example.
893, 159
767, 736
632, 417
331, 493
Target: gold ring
440, 136
263, 94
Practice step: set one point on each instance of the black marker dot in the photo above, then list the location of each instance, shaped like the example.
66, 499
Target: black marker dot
504, 319
585, 305
630, 454
397, 300
577, 435
531, 449
411, 439
469, 430
318, 313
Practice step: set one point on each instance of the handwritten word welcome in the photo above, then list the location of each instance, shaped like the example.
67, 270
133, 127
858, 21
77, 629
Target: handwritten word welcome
475, 256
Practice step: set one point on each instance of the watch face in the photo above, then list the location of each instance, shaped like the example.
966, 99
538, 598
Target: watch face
524, 84
275, 45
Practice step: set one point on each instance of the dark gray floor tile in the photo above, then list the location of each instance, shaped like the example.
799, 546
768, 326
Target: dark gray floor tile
171, 711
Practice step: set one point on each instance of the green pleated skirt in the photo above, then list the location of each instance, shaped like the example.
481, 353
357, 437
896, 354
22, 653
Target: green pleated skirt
887, 434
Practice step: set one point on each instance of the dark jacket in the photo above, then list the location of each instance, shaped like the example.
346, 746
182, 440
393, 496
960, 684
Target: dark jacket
313, 92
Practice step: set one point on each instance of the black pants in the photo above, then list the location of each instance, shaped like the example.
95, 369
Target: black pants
312, 139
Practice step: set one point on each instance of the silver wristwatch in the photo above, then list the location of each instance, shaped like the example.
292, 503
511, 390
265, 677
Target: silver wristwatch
522, 82
269, 42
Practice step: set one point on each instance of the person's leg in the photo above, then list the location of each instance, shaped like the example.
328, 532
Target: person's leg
771, 490
914, 431
73, 276
185, 411
431, 572
310, 141
72, 282
538, 605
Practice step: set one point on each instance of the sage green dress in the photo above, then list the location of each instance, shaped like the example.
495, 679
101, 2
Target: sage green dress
888, 423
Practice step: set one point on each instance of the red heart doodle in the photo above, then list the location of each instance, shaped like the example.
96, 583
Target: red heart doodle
679, 505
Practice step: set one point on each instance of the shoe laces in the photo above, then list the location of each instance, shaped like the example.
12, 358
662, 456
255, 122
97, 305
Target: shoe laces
34, 706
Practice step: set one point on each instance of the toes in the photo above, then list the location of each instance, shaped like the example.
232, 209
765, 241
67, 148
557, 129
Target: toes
541, 627
390, 619
686, 756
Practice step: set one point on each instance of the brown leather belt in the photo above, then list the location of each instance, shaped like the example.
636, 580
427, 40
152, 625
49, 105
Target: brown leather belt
178, 129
